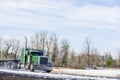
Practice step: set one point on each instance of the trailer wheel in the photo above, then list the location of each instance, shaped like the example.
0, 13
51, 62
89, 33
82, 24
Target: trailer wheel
10, 65
31, 68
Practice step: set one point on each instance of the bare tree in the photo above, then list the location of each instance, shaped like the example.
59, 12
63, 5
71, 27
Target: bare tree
65, 51
35, 44
38, 40
0, 47
11, 47
119, 60
73, 60
96, 59
8, 45
88, 48
82, 60
15, 48
55, 50
49, 41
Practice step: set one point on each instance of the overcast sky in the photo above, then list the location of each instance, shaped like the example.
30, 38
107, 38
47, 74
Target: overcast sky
69, 19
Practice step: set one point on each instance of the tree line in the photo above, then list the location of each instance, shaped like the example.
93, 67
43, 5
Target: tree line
59, 52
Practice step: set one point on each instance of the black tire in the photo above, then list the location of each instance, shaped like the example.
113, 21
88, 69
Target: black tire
19, 66
10, 65
48, 71
31, 68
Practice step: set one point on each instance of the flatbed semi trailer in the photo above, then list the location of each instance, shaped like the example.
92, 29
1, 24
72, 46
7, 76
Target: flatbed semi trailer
9, 63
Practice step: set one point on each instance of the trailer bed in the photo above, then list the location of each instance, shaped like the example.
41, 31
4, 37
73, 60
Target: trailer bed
9, 63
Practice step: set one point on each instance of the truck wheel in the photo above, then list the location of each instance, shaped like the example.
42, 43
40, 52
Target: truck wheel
10, 65
31, 68
48, 71
19, 65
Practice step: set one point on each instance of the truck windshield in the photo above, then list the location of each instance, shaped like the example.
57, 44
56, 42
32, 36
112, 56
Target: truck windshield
37, 53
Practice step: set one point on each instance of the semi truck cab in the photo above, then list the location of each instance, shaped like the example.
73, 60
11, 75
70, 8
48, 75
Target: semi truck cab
34, 59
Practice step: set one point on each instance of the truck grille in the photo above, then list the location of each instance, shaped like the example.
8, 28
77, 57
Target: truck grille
43, 60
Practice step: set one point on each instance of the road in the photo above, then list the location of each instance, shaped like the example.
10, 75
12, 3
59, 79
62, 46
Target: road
27, 75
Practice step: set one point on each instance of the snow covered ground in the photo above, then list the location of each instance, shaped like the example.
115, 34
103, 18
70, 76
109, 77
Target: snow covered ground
60, 76
97, 73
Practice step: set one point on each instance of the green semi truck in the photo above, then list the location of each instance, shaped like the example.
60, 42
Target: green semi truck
32, 59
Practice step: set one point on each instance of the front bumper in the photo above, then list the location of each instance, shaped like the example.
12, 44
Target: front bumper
42, 67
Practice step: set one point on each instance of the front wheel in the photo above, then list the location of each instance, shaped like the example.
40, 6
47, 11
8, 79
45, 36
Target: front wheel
31, 68
48, 71
19, 65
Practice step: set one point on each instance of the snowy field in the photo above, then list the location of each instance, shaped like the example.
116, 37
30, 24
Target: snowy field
92, 72
19, 74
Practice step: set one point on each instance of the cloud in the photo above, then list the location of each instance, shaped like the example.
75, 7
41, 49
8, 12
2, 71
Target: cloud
32, 13
54, 13
95, 17
99, 2
116, 44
